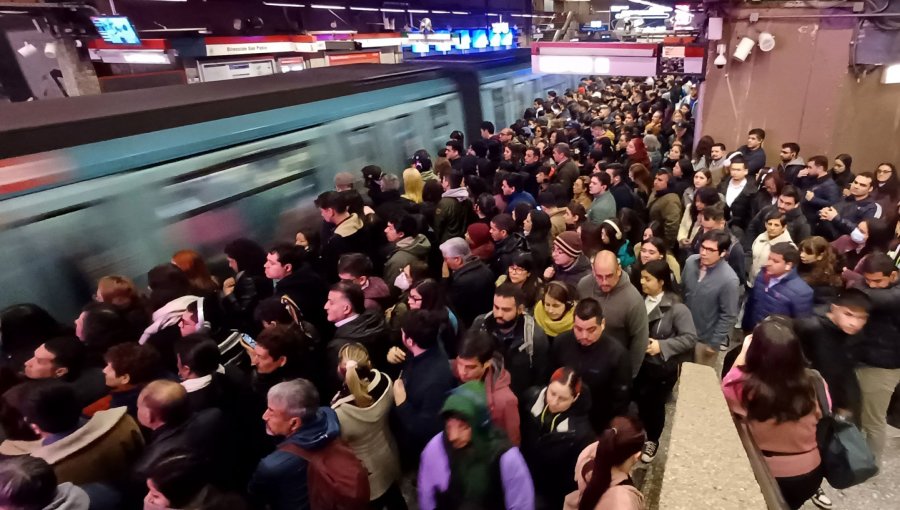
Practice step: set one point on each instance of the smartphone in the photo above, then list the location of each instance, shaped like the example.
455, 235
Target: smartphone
248, 340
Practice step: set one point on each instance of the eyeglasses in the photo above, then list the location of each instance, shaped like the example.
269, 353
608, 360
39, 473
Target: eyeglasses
517, 269
884, 171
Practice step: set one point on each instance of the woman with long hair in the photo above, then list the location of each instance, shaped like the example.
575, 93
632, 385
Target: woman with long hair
702, 179
555, 312
690, 222
682, 175
771, 388
413, 184
612, 239
632, 226
842, 172
636, 152
195, 269
575, 216
643, 183
819, 269
363, 406
428, 294
887, 184
771, 184
672, 339
650, 249
702, 155
536, 229
603, 469
555, 429
871, 234
525, 274
249, 285
123, 294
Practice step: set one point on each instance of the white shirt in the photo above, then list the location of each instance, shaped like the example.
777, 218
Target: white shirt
345, 321
733, 191
192, 385
652, 302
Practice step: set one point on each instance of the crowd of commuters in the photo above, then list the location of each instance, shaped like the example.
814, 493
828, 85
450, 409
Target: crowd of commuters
506, 318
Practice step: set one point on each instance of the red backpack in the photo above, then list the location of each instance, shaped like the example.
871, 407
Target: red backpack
336, 478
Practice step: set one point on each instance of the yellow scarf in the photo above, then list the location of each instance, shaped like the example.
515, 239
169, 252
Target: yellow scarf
553, 328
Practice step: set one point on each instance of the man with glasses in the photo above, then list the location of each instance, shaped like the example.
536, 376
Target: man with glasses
623, 307
712, 293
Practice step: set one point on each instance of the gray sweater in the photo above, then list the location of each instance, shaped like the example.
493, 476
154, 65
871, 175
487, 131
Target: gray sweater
714, 302
624, 313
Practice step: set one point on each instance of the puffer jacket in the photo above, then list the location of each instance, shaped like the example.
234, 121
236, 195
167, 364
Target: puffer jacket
406, 251
850, 213
369, 330
791, 296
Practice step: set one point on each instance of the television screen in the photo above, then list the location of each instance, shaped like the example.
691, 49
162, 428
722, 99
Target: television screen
116, 29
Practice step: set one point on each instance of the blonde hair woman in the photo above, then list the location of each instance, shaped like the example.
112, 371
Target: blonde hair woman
413, 185
363, 405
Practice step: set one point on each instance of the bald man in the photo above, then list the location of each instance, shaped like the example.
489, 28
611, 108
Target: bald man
163, 408
623, 307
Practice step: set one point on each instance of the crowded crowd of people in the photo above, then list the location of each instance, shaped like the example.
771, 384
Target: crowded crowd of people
500, 325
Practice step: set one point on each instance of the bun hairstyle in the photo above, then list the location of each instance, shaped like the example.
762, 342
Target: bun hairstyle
624, 438
357, 371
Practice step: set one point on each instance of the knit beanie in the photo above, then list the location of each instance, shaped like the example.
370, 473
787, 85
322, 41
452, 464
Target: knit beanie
569, 242
469, 402
479, 234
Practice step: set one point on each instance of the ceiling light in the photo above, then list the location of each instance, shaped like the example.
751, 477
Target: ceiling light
329, 7
369, 9
460, 13
279, 4
392, 10
417, 11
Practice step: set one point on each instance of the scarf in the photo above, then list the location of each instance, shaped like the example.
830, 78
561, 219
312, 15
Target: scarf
472, 467
553, 328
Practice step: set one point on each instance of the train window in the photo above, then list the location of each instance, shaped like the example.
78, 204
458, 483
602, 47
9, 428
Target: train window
439, 116
499, 98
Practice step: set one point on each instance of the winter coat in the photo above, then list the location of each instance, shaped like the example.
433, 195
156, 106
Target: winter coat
825, 193
309, 291
878, 346
828, 350
605, 369
672, 325
506, 250
791, 169
501, 401
760, 249
713, 302
551, 450
405, 252
280, 480
428, 380
102, 450
754, 158
566, 174
623, 195
453, 214
741, 207
574, 273
524, 349
350, 236
434, 476
367, 329
203, 433
665, 207
367, 431
797, 226
791, 296
471, 290
377, 295
519, 197
624, 313
238, 306
850, 213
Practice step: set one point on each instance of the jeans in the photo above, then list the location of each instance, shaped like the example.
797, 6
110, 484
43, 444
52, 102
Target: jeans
652, 388
877, 385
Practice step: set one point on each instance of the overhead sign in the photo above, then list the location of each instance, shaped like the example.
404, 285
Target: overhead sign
609, 59
228, 46
342, 59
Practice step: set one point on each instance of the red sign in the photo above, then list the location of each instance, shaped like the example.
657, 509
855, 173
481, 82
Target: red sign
363, 57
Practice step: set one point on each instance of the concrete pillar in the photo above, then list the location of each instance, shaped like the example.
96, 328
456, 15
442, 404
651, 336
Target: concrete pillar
79, 76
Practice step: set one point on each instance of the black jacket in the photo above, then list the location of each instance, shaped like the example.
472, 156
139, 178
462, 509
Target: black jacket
828, 350
825, 193
624, 196
238, 306
742, 206
797, 226
428, 380
506, 250
470, 290
850, 213
369, 330
309, 291
524, 348
878, 346
605, 369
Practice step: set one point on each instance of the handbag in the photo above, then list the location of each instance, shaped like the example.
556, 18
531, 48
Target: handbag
846, 457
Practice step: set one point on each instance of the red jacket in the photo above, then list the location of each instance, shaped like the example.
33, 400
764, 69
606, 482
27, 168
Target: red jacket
501, 400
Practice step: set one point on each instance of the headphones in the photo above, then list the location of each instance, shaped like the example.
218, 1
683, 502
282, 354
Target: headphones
615, 227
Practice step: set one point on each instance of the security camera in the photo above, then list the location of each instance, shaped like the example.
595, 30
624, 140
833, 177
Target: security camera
720, 60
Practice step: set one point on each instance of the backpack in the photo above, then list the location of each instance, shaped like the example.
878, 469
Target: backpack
336, 478
846, 458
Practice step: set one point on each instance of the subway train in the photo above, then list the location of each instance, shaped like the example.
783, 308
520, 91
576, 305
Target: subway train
116, 183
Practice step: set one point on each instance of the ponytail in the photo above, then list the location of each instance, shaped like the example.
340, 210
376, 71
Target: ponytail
624, 438
357, 369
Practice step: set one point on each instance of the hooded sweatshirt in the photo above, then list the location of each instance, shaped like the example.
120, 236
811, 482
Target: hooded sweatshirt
69, 497
280, 478
452, 214
501, 401
406, 251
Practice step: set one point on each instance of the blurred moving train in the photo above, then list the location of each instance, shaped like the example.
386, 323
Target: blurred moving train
116, 183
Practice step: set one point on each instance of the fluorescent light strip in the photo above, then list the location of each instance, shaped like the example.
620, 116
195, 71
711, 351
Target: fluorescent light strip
329, 7
492, 14
392, 10
459, 13
368, 9
278, 4
440, 12
416, 11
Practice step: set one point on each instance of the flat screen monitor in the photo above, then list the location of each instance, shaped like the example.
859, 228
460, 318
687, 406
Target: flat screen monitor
116, 29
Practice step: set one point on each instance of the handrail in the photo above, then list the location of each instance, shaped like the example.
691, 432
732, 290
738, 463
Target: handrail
767, 484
